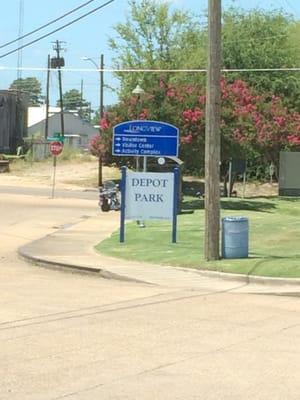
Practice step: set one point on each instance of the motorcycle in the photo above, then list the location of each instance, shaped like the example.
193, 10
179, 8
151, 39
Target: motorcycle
109, 196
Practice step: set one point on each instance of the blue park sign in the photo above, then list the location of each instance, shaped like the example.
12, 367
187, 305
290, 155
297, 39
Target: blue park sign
145, 138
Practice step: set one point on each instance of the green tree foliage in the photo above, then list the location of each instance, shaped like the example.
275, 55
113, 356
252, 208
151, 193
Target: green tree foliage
252, 127
260, 110
72, 100
260, 39
156, 38
31, 86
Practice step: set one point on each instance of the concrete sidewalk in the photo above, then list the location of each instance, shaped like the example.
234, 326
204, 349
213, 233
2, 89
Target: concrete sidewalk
72, 247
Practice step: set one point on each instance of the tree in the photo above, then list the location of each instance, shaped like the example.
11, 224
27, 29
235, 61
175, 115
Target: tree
72, 100
260, 39
154, 37
252, 126
31, 86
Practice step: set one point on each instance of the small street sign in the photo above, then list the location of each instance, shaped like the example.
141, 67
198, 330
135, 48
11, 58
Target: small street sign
145, 138
56, 148
56, 138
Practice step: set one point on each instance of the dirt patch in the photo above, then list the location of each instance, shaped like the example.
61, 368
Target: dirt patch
77, 174
257, 189
83, 174
193, 187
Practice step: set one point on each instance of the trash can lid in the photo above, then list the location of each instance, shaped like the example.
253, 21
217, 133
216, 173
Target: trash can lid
235, 219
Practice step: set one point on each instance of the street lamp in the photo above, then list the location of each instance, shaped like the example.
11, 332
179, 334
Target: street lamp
139, 91
101, 108
100, 69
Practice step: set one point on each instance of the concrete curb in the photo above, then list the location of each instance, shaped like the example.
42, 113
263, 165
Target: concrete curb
263, 280
55, 265
105, 273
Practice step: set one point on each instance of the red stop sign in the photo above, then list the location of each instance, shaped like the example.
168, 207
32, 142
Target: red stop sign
56, 148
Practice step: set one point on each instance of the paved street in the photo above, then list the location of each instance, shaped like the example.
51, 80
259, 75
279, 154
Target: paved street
76, 336
91, 194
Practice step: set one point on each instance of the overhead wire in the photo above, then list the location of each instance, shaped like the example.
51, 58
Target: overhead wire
120, 70
57, 29
47, 24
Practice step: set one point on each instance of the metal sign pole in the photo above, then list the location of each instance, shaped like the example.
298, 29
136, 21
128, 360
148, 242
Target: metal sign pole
175, 204
244, 184
230, 179
122, 213
54, 173
142, 223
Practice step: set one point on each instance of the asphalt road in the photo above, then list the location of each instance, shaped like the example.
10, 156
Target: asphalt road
47, 192
76, 336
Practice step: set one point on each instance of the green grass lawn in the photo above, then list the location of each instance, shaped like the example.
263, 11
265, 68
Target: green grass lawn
274, 238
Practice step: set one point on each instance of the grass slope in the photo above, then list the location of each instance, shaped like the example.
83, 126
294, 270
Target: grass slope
274, 238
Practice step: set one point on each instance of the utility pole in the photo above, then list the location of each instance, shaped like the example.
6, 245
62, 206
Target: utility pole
101, 85
212, 135
59, 62
81, 98
101, 109
47, 98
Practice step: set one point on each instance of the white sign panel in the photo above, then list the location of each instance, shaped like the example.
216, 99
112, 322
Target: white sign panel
149, 195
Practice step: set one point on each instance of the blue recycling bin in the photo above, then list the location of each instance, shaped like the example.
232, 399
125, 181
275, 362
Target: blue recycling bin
235, 237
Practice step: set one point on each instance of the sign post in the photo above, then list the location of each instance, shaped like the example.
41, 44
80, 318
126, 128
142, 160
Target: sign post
149, 195
145, 138
55, 149
123, 195
175, 204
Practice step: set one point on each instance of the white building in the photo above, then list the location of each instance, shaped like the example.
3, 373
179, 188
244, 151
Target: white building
78, 132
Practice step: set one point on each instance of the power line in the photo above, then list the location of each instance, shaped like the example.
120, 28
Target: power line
58, 29
129, 70
20, 38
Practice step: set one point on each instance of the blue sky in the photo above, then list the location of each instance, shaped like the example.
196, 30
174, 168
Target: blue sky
87, 37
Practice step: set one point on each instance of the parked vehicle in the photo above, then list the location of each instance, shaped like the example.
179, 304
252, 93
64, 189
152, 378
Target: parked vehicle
109, 196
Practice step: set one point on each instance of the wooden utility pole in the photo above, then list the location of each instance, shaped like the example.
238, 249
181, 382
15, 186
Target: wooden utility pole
58, 64
212, 133
101, 109
101, 85
47, 98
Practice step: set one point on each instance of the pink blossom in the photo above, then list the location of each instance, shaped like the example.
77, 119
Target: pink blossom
104, 123
187, 139
294, 139
187, 115
190, 115
279, 121
144, 114
202, 99
170, 92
